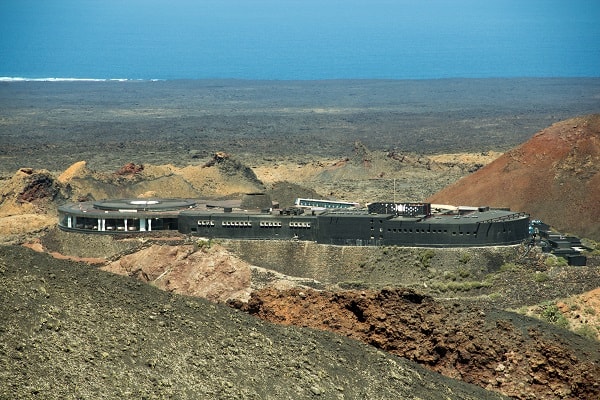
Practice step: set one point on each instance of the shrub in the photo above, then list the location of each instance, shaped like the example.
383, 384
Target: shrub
426, 256
495, 296
590, 311
465, 257
464, 272
203, 244
553, 261
449, 276
540, 277
552, 314
509, 266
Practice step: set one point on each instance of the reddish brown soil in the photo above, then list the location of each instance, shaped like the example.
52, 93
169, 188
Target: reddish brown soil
500, 351
130, 169
555, 176
36, 245
211, 273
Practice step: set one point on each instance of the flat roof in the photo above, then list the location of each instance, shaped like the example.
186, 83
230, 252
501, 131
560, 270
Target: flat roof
155, 207
154, 204
159, 207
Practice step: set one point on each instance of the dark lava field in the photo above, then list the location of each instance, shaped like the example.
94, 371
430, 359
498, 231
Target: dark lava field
50, 125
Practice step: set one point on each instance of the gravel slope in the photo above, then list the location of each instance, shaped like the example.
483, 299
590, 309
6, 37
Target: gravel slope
71, 331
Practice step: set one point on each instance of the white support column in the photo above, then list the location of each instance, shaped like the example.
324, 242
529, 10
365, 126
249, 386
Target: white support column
99, 224
69, 221
125, 223
149, 224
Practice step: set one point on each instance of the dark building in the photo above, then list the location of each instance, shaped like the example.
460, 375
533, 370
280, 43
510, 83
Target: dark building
389, 224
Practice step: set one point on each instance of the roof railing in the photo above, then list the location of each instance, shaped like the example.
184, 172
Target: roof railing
505, 217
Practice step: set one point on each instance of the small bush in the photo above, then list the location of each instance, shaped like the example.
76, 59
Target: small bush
203, 244
552, 314
509, 266
464, 273
553, 261
426, 256
490, 279
449, 276
495, 296
590, 311
540, 277
465, 257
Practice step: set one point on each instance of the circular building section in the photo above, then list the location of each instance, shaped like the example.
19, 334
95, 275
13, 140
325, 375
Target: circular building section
144, 204
123, 215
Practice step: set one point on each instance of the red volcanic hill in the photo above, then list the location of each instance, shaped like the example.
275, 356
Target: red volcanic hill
555, 177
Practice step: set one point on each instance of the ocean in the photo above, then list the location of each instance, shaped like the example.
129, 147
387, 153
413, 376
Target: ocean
298, 39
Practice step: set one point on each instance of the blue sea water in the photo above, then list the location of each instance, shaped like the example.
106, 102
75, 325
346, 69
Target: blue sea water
299, 39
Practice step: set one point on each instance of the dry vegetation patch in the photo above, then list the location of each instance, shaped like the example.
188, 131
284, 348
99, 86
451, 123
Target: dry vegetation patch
580, 314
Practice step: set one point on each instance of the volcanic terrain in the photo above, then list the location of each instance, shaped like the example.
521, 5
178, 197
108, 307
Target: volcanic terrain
170, 316
554, 176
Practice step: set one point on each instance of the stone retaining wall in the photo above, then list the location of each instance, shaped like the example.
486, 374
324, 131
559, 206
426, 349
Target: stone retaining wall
372, 266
